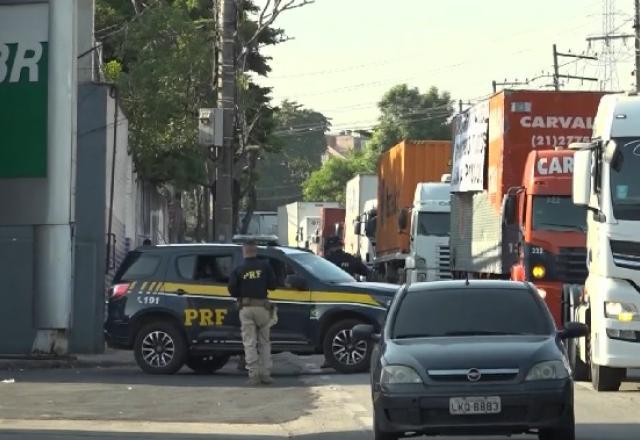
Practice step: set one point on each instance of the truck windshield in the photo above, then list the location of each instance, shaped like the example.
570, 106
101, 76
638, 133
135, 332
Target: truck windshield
558, 213
434, 223
322, 269
625, 184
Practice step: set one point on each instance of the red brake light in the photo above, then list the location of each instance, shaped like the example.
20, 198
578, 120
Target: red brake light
119, 290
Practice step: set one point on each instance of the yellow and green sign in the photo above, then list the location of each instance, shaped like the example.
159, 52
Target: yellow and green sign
23, 90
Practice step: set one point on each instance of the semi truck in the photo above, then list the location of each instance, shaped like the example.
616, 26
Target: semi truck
429, 258
606, 181
400, 169
331, 225
290, 219
511, 210
360, 190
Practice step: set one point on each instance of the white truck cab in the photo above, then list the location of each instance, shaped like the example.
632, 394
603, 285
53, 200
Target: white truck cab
308, 229
429, 256
606, 180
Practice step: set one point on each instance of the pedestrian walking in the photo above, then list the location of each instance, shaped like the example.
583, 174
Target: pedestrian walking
249, 284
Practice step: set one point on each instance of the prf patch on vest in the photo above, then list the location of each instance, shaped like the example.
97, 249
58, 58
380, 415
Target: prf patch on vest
205, 317
252, 274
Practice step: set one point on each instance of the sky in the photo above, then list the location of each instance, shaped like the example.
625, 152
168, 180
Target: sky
345, 54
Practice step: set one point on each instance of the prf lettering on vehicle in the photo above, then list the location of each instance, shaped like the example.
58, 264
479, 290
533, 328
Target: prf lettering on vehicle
204, 317
252, 275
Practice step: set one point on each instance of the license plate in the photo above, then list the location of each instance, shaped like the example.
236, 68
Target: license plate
474, 405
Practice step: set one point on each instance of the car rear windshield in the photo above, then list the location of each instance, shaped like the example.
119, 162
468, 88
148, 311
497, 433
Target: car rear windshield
468, 312
137, 266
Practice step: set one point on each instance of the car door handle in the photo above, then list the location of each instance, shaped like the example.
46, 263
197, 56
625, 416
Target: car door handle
181, 292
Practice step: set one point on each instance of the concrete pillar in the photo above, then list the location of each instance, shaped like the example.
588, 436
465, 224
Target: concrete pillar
85, 40
54, 238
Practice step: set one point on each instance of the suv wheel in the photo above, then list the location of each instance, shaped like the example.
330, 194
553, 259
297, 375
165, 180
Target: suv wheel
207, 364
160, 348
566, 431
341, 352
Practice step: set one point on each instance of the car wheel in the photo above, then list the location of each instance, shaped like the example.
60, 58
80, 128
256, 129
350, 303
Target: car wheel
341, 352
160, 348
207, 364
580, 369
606, 378
381, 435
566, 431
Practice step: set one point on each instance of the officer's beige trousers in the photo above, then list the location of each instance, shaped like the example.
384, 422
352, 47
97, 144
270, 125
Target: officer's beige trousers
256, 324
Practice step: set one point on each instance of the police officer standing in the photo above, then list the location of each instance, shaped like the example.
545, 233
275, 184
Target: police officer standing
249, 284
347, 262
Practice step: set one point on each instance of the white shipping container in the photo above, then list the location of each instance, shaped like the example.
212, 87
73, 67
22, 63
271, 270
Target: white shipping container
360, 189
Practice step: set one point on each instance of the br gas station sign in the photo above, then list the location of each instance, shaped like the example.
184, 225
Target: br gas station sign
23, 89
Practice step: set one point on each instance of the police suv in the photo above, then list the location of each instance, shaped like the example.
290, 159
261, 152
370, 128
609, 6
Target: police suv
170, 305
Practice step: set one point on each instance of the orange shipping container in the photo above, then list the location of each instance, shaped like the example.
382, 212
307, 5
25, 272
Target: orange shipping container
399, 171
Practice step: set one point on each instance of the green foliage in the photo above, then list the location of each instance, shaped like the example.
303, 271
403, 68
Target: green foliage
298, 152
166, 79
112, 70
328, 184
405, 113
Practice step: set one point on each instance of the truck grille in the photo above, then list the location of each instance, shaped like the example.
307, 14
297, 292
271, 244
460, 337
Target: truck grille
626, 254
444, 262
572, 265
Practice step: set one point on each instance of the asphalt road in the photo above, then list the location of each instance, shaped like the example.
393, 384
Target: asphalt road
123, 403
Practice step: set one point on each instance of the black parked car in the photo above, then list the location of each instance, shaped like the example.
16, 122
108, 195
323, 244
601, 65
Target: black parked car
467, 358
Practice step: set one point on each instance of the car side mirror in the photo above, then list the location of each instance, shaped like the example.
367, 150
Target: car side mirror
574, 330
364, 332
296, 282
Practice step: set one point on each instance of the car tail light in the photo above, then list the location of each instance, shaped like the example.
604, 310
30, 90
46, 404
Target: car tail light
119, 290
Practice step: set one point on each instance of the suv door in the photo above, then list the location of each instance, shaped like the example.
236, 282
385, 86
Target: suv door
201, 277
294, 306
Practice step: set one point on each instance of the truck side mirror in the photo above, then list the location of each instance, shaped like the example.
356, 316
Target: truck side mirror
370, 228
581, 181
403, 219
613, 156
356, 227
509, 214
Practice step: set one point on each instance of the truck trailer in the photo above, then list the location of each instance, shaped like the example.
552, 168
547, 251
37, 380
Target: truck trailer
290, 219
511, 210
360, 189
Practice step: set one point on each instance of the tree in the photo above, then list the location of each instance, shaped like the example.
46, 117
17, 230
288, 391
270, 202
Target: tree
405, 113
299, 138
328, 184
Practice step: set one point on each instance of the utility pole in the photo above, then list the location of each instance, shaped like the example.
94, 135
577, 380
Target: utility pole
636, 26
223, 212
556, 67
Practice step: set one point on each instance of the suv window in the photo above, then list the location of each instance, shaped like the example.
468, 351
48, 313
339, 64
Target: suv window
281, 269
137, 266
205, 268
462, 312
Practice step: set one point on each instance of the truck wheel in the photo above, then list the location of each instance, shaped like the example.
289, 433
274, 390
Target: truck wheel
160, 348
606, 378
207, 364
580, 369
341, 352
